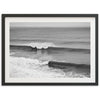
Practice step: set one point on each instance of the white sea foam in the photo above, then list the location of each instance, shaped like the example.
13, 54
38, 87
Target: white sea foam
43, 45
38, 45
25, 67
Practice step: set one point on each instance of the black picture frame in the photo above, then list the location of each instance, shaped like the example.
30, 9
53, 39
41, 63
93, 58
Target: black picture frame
4, 16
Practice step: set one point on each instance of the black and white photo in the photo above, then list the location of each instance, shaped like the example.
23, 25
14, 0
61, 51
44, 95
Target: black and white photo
50, 50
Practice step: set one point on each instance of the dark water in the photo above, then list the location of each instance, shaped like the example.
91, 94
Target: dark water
68, 45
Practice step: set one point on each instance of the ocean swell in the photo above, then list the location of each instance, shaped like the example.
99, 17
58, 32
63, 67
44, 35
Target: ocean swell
25, 67
43, 47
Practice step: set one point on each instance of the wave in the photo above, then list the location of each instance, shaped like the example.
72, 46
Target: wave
34, 61
48, 47
39, 45
62, 65
67, 67
26, 67
44, 45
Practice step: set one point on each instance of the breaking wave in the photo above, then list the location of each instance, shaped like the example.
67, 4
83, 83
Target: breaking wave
26, 67
46, 46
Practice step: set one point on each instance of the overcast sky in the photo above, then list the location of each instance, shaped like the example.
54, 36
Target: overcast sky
50, 24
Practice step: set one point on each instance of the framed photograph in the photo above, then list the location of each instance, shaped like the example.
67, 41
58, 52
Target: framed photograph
49, 49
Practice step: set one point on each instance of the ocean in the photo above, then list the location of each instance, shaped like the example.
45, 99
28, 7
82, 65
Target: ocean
49, 52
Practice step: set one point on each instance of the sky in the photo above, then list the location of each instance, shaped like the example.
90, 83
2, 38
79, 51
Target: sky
50, 24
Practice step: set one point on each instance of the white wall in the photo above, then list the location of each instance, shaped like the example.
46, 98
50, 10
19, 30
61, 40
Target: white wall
49, 92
